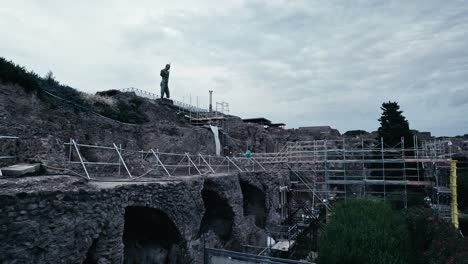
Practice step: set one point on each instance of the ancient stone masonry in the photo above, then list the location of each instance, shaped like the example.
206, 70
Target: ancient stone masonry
268, 184
43, 128
44, 124
63, 219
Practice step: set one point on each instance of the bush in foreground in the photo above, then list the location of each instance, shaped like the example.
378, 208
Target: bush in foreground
435, 240
365, 231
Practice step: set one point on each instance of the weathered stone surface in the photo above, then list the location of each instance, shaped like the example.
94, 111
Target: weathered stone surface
20, 169
63, 219
44, 125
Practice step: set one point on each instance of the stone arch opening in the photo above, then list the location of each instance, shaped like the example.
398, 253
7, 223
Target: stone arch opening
218, 216
150, 236
91, 254
254, 203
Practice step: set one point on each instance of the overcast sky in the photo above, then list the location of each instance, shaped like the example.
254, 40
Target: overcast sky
303, 63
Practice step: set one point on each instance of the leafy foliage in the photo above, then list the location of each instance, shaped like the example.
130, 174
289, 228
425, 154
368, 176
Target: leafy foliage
52, 92
394, 126
50, 78
108, 93
434, 239
354, 133
15, 74
128, 112
364, 231
462, 184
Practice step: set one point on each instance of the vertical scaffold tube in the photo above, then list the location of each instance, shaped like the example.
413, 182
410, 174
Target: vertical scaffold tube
453, 187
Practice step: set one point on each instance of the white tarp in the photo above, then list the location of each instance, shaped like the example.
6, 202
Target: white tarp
270, 242
215, 131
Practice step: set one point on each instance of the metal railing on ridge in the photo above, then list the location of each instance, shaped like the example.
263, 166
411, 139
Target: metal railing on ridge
193, 112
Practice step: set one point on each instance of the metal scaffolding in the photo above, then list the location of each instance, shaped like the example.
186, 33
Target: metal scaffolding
324, 171
333, 169
321, 171
196, 114
115, 162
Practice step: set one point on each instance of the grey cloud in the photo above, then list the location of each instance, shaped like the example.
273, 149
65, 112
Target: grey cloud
300, 62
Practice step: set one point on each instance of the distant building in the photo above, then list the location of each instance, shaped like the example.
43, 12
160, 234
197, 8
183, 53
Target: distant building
277, 125
258, 120
422, 136
264, 122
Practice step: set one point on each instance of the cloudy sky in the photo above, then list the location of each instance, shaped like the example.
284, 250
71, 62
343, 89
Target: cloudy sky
298, 62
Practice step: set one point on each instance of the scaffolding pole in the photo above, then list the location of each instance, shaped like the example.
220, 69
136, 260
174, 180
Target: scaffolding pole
453, 187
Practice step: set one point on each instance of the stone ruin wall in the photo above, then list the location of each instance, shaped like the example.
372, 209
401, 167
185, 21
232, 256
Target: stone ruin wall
63, 219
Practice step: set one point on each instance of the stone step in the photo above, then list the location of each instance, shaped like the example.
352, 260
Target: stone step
20, 169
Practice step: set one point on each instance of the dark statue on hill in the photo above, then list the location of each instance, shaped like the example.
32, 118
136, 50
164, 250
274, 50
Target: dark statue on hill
165, 81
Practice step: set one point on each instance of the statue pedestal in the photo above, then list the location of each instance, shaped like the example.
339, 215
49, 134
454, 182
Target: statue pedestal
165, 101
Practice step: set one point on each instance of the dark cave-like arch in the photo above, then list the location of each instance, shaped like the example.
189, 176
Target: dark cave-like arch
150, 236
91, 253
254, 203
218, 216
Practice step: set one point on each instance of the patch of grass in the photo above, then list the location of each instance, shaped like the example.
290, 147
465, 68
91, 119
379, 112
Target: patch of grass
128, 111
98, 99
108, 93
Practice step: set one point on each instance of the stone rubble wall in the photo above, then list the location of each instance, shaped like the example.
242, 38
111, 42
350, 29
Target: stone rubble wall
55, 219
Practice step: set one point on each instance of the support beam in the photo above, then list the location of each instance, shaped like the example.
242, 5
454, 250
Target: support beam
219, 165
122, 160
235, 165
207, 164
162, 165
453, 187
191, 161
81, 159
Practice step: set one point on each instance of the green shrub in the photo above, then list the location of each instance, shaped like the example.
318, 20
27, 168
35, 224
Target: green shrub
364, 231
434, 240
15, 74
128, 112
50, 79
462, 190
53, 93
108, 93
354, 133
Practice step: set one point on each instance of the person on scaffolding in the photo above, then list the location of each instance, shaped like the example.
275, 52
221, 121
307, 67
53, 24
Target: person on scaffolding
165, 81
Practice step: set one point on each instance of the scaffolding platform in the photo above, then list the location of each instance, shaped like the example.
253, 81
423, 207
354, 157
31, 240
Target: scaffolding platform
442, 189
380, 182
206, 120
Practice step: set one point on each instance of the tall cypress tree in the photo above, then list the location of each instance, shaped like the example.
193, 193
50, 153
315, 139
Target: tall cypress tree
394, 126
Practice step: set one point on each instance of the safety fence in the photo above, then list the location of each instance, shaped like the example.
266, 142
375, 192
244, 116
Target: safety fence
116, 162
221, 256
195, 113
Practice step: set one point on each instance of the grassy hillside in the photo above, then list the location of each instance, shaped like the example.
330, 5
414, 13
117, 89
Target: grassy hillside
52, 92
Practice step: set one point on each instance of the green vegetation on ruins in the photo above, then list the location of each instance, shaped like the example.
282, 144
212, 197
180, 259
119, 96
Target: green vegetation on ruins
364, 231
51, 91
370, 231
355, 133
394, 126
